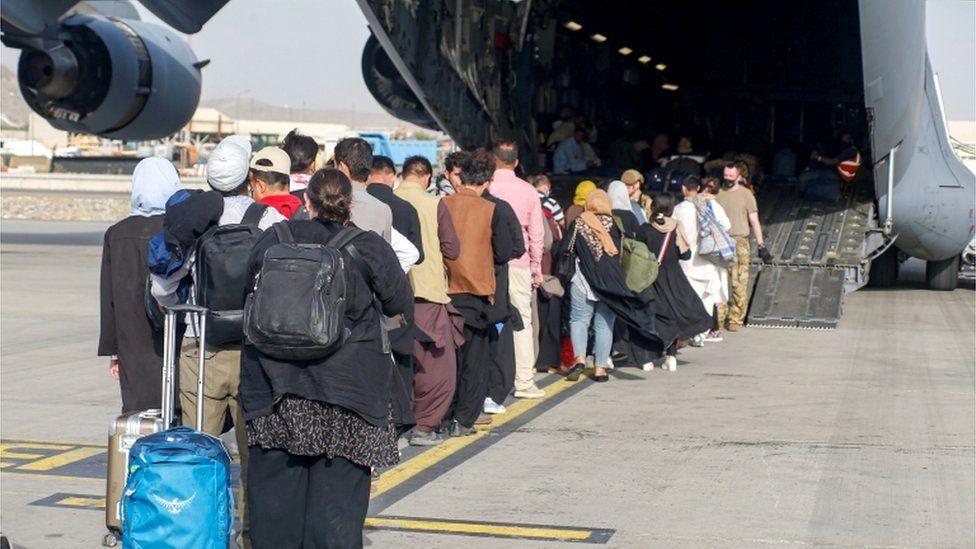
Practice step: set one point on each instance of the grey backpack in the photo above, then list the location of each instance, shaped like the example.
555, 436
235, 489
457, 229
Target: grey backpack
297, 311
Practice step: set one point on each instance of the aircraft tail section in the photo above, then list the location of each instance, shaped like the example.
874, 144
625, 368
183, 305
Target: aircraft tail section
927, 193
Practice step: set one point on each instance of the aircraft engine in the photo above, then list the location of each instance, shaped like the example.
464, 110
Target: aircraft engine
118, 78
390, 89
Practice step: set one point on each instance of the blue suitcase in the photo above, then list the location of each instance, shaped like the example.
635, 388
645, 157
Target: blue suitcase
178, 491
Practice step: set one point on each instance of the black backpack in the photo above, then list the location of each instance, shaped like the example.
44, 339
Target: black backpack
297, 311
220, 275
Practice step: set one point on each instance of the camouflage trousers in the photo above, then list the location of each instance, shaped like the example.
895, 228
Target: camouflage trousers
735, 310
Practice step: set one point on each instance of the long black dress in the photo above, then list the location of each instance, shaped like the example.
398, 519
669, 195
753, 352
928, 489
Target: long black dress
125, 329
680, 313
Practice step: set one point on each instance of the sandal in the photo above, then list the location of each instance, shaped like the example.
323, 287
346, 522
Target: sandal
575, 371
601, 378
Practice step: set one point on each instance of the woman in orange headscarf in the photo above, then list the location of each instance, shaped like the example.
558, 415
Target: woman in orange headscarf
593, 235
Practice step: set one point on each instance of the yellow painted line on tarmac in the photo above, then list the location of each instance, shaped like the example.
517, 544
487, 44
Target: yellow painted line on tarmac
408, 469
78, 501
62, 459
478, 529
11, 449
536, 532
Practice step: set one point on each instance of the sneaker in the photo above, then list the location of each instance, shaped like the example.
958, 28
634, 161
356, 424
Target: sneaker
483, 419
529, 391
609, 365
714, 336
424, 438
590, 361
698, 341
735, 327
647, 366
458, 430
671, 363
492, 407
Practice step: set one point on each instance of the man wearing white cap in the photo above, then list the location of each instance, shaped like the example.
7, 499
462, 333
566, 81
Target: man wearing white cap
227, 173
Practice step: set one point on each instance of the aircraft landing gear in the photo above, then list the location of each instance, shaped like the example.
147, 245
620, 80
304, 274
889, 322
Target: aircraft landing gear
884, 269
942, 275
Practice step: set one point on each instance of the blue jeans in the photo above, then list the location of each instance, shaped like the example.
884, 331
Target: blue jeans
582, 312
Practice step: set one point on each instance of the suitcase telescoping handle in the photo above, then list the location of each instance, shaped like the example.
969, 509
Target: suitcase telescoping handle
171, 354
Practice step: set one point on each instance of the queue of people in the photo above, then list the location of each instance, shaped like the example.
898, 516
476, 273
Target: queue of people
457, 291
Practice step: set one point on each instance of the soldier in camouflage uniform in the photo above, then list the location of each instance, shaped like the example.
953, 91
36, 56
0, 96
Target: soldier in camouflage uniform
740, 205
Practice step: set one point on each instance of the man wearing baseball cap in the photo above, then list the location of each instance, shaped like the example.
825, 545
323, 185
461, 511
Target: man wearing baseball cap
270, 179
639, 202
228, 173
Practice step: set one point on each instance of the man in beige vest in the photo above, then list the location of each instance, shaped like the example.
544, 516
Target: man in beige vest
435, 352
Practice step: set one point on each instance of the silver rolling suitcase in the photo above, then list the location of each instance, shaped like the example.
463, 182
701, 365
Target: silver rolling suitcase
125, 429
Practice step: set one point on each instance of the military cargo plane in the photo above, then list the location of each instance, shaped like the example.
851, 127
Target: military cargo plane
750, 74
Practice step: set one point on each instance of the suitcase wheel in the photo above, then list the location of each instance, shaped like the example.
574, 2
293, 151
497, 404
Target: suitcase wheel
110, 540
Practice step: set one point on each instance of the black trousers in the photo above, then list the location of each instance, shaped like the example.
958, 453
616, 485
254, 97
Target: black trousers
140, 377
472, 382
305, 502
550, 332
501, 376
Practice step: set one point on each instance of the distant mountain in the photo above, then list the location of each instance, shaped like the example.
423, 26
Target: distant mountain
12, 106
252, 109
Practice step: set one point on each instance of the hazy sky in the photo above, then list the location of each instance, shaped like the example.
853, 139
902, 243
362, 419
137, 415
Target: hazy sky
308, 52
950, 27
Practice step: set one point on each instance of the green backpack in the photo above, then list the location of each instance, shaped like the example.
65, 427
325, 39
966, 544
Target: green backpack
638, 262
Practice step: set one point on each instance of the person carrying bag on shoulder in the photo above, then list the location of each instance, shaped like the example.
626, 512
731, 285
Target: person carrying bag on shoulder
316, 373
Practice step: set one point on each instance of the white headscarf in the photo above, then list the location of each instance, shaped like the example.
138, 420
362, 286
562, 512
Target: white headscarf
153, 181
619, 198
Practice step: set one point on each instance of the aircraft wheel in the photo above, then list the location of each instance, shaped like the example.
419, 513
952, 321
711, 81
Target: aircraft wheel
942, 275
884, 269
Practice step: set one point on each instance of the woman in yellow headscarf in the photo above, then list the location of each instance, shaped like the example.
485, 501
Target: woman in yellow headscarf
583, 189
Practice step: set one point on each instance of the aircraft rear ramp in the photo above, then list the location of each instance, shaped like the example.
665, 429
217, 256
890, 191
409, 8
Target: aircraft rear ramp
818, 253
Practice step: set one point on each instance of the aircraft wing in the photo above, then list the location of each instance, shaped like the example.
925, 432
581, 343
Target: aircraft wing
186, 16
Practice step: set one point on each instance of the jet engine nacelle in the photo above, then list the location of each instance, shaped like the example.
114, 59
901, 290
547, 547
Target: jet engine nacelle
389, 88
118, 78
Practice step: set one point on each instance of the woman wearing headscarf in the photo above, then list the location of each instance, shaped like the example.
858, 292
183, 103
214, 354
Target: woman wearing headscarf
583, 189
680, 313
127, 334
598, 292
623, 207
709, 280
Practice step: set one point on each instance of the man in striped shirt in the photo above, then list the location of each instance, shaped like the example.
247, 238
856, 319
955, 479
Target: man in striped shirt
550, 207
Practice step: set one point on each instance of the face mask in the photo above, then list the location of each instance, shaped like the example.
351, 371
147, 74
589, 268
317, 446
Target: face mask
728, 183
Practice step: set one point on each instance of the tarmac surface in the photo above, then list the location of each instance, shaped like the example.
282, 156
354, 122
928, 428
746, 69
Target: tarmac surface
863, 436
